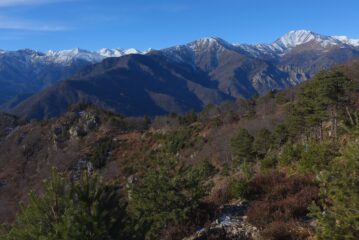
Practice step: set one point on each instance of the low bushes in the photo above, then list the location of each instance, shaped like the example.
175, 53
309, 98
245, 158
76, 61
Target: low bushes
239, 188
279, 203
283, 230
102, 153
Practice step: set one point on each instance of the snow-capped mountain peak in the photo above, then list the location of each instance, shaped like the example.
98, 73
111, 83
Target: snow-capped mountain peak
116, 52
279, 47
132, 51
346, 40
299, 37
66, 56
208, 42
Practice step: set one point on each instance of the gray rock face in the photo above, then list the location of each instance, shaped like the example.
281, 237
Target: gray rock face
79, 168
177, 79
87, 122
244, 70
232, 224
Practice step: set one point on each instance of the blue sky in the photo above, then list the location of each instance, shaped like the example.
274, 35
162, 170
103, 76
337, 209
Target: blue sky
142, 24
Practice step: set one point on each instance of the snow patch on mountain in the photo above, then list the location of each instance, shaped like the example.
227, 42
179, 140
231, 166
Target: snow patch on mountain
116, 52
209, 42
294, 39
300, 37
131, 51
67, 56
346, 40
278, 48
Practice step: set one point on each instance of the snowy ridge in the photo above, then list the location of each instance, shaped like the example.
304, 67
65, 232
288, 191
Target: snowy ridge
346, 40
207, 42
118, 52
296, 38
66, 57
279, 47
276, 49
105, 52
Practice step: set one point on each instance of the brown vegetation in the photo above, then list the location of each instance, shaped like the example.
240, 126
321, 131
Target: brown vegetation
280, 203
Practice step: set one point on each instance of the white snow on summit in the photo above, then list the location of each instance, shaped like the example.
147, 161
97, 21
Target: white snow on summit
279, 47
208, 42
346, 40
131, 51
296, 38
67, 56
105, 52
118, 52
299, 37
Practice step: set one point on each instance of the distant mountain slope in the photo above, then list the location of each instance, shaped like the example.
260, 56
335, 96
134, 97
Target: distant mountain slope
25, 72
237, 72
133, 85
209, 70
245, 70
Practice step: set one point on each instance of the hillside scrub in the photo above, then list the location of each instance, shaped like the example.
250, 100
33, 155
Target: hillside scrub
87, 209
168, 195
292, 155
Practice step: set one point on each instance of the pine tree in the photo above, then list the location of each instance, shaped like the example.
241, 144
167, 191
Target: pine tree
324, 98
242, 147
338, 213
98, 214
44, 216
167, 194
333, 92
280, 135
262, 143
69, 211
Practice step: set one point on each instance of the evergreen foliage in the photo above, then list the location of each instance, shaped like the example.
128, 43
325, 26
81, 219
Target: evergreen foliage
316, 156
280, 135
188, 118
167, 194
177, 140
242, 146
101, 154
84, 210
239, 188
263, 142
324, 98
338, 213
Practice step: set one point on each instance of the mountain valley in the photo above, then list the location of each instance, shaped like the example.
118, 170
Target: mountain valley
219, 71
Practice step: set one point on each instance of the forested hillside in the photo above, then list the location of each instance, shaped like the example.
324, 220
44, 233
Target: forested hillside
281, 166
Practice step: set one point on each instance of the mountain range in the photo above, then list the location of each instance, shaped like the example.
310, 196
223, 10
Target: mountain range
25, 72
176, 79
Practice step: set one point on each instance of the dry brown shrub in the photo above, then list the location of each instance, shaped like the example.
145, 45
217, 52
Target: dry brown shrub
279, 203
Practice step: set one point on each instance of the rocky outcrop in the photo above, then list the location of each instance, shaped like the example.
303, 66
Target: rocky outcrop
87, 121
81, 166
231, 224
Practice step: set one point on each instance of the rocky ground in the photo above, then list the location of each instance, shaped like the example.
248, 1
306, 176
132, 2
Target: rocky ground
231, 224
